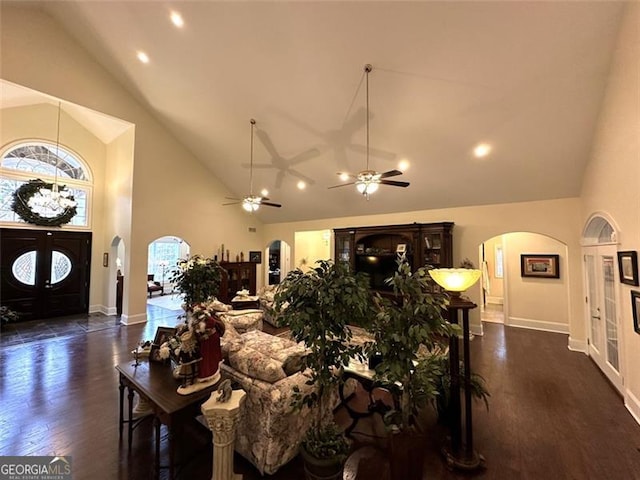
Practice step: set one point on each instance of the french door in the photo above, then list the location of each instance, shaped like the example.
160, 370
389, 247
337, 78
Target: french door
45, 273
600, 272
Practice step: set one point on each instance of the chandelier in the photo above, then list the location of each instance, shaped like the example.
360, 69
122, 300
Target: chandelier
53, 199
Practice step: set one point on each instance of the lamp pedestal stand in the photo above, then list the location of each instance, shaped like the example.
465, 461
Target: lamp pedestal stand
458, 454
222, 418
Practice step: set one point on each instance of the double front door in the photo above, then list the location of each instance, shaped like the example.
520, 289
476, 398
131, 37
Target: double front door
45, 273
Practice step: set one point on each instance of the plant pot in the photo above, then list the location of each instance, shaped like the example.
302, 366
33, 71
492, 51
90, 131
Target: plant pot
406, 455
322, 468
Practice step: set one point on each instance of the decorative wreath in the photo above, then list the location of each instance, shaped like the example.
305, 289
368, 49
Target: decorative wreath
20, 205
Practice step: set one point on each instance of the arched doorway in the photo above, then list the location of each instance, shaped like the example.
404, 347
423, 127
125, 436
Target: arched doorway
163, 256
528, 302
599, 240
278, 255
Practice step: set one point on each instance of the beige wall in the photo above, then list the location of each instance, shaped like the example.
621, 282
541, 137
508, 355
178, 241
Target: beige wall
311, 246
539, 303
612, 178
172, 192
558, 219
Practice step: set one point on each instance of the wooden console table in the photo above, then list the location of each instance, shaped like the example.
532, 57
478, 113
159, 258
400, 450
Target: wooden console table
155, 383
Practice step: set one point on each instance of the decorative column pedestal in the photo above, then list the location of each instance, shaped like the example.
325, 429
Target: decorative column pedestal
222, 419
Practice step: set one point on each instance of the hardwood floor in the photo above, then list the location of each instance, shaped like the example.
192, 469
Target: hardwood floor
552, 414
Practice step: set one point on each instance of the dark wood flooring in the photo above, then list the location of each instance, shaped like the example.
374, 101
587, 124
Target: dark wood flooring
552, 414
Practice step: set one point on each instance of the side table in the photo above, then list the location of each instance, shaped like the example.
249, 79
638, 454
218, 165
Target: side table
245, 303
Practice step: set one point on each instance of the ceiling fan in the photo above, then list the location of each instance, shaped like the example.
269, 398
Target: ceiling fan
251, 202
367, 181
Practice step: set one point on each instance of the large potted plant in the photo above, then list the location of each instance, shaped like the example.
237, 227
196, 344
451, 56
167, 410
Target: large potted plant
318, 306
411, 334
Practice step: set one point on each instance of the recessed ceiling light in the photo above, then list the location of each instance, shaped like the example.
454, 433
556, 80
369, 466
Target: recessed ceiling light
264, 192
301, 185
177, 20
403, 166
344, 176
482, 150
143, 57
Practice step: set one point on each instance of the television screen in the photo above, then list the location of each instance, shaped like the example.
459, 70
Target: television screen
379, 268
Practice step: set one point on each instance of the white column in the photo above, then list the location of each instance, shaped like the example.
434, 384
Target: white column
222, 419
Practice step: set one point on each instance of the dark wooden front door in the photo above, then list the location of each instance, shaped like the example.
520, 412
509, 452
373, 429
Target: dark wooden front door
45, 273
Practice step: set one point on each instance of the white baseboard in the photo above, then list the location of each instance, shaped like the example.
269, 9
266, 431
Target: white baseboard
97, 309
576, 345
538, 325
103, 309
495, 300
633, 405
133, 319
476, 329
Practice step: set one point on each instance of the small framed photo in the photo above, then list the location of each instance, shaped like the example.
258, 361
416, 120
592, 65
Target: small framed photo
255, 257
401, 248
360, 248
628, 267
162, 335
635, 308
540, 265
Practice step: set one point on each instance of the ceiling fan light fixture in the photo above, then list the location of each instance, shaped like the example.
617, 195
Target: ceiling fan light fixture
251, 203
368, 182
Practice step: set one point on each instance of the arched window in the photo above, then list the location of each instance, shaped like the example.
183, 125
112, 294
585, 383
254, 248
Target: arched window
39, 159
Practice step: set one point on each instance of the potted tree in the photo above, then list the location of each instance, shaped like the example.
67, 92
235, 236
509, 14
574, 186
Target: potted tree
318, 306
411, 334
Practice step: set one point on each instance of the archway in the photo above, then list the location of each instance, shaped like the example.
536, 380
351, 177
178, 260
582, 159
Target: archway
163, 256
115, 276
539, 303
278, 261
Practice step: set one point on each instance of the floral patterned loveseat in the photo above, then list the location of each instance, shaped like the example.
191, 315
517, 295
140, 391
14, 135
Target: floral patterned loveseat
267, 368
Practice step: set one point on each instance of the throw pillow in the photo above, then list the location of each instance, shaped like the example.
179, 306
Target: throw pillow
256, 365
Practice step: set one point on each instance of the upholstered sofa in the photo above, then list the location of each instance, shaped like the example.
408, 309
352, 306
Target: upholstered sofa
265, 299
242, 320
267, 368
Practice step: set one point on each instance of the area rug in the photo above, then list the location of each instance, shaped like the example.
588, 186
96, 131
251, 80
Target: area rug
170, 301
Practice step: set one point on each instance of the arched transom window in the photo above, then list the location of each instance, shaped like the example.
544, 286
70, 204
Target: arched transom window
29, 160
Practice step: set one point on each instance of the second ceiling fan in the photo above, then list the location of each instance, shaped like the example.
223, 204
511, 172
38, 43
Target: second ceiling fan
252, 202
367, 181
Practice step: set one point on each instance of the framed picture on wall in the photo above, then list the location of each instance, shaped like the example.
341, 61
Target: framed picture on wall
635, 308
539, 265
255, 257
628, 267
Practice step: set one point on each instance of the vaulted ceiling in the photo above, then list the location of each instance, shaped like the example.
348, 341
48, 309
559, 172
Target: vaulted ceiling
528, 78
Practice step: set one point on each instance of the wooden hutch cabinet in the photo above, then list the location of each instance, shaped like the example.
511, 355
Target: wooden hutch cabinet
239, 276
374, 250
